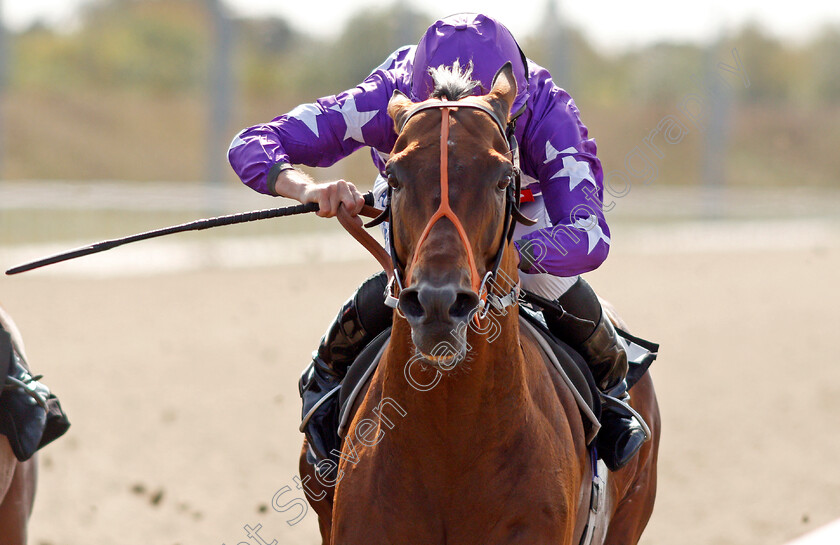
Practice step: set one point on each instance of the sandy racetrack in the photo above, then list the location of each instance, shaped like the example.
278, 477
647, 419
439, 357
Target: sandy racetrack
182, 393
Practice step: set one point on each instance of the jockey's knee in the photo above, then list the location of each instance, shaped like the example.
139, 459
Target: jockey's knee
547, 286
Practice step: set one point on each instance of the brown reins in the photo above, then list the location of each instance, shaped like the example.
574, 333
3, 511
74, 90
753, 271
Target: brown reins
357, 231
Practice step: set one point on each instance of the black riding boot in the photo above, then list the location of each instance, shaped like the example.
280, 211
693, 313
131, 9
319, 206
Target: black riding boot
361, 319
589, 331
30, 415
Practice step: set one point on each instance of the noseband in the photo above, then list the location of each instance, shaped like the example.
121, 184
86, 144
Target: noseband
480, 287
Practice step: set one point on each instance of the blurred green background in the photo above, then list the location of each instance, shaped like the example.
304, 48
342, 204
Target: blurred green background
148, 93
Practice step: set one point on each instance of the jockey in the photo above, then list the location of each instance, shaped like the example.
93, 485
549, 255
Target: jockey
562, 186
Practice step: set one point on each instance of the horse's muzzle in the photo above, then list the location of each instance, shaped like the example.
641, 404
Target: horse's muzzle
438, 316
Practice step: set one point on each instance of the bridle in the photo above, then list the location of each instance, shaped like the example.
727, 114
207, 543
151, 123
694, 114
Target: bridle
512, 213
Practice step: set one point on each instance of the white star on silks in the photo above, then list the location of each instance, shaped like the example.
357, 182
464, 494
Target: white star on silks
354, 119
551, 152
577, 171
594, 233
237, 141
308, 115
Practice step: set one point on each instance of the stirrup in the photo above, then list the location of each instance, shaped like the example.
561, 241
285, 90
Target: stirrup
622, 407
623, 431
305, 420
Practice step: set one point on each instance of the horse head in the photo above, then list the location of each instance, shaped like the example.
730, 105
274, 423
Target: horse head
451, 178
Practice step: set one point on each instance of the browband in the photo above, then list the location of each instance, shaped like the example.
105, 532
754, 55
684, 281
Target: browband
437, 105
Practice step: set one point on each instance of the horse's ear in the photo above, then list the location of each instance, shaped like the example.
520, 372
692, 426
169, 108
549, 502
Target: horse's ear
397, 108
503, 92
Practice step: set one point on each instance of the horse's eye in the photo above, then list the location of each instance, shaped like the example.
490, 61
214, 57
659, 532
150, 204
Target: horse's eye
392, 181
505, 181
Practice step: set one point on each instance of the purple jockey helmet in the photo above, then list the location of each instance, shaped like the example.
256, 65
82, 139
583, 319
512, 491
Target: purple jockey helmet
469, 37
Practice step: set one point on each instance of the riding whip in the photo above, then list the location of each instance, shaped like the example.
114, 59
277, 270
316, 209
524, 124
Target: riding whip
197, 225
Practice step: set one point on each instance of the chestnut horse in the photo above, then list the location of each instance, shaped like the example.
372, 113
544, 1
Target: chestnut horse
17, 479
481, 443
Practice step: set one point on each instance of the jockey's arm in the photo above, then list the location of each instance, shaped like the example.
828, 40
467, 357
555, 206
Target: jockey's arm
316, 134
559, 154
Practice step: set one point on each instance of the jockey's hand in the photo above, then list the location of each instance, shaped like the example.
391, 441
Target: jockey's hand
330, 195
297, 185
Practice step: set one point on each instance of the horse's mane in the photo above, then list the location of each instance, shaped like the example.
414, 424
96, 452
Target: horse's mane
453, 82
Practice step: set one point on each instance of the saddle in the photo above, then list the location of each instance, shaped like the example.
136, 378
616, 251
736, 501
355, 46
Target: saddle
565, 360
30, 414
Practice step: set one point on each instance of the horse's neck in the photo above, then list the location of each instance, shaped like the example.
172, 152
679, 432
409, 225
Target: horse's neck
481, 393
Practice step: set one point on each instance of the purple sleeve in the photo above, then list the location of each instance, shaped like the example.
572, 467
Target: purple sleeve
317, 134
559, 154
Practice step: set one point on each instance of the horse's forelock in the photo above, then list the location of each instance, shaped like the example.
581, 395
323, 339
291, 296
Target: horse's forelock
453, 82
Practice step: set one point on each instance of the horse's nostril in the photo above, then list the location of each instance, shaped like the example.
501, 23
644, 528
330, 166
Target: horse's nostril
429, 303
465, 302
410, 304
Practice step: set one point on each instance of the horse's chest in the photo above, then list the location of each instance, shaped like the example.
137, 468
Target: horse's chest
487, 499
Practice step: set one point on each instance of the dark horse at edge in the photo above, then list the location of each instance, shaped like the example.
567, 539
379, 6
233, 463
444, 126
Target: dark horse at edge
17, 479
